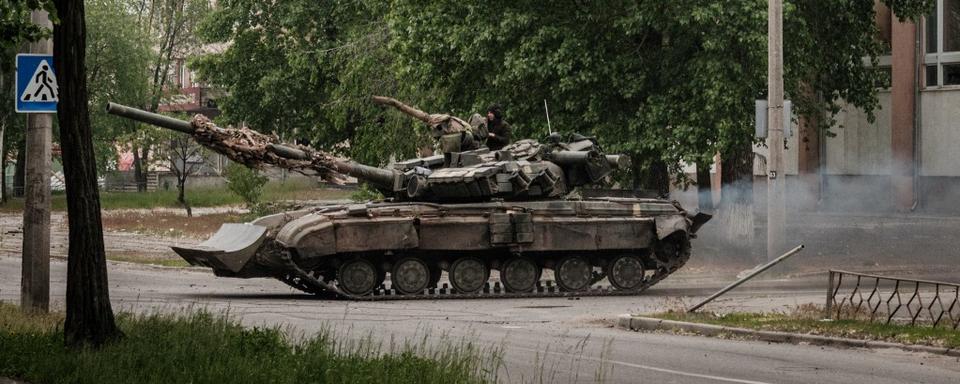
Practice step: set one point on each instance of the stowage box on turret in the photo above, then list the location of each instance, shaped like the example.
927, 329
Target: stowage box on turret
466, 213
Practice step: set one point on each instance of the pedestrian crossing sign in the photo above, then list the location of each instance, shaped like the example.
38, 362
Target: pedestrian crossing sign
36, 84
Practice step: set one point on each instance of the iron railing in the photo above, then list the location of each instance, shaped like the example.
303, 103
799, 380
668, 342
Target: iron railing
881, 298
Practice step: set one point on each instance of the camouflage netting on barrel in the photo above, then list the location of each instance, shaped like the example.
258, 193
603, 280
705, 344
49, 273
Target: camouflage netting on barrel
254, 149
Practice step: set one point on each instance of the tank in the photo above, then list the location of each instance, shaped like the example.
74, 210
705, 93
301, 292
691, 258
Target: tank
468, 223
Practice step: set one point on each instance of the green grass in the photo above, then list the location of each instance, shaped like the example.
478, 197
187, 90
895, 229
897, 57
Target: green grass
808, 319
197, 197
199, 347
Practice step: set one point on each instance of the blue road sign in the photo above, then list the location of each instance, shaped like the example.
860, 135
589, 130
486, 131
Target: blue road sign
37, 90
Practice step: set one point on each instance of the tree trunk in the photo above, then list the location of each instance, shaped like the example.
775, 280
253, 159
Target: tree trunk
89, 319
20, 169
137, 169
704, 190
144, 168
657, 178
181, 198
736, 200
3, 174
3, 163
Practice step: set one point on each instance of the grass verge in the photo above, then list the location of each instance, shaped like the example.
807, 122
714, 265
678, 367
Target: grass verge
197, 197
199, 347
808, 319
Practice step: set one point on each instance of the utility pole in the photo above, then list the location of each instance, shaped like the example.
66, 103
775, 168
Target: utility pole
776, 179
35, 282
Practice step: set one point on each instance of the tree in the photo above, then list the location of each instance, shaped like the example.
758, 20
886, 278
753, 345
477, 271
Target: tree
667, 82
89, 319
305, 70
118, 59
171, 25
185, 157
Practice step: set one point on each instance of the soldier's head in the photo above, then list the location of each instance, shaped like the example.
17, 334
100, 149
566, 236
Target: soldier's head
494, 112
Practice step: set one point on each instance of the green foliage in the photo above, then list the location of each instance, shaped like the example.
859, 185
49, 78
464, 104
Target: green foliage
662, 81
118, 55
305, 70
911, 9
16, 27
203, 348
246, 183
366, 193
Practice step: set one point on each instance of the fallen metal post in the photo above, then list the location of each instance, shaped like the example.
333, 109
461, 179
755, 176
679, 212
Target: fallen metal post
755, 272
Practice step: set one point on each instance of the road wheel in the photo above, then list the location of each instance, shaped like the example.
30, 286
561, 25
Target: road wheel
519, 274
410, 275
574, 273
625, 272
468, 274
358, 277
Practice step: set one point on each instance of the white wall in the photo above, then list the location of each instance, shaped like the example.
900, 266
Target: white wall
860, 147
940, 132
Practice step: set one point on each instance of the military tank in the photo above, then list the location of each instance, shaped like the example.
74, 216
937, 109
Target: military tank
462, 213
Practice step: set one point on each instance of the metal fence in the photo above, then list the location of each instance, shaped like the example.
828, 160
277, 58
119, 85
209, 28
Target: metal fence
893, 299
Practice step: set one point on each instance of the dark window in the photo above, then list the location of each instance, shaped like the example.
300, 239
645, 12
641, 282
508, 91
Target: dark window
931, 22
951, 25
951, 74
931, 71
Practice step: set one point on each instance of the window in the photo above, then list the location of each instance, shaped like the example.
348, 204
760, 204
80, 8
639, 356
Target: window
943, 44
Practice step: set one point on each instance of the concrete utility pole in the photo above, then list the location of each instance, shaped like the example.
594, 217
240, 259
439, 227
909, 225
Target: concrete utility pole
776, 179
35, 283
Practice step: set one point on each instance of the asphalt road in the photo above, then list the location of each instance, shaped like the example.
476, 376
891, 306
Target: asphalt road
556, 339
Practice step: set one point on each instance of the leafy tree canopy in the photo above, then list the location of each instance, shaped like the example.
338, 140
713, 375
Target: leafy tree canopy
669, 81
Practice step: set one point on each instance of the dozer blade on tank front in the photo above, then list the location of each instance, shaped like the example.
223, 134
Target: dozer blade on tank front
449, 221
228, 250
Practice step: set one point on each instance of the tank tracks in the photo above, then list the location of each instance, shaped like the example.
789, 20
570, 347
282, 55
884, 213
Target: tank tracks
303, 281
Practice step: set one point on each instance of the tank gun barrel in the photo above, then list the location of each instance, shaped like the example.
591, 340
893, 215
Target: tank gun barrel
379, 176
149, 118
242, 145
411, 111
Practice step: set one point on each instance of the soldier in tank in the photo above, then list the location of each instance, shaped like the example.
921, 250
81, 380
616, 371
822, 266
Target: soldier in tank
498, 130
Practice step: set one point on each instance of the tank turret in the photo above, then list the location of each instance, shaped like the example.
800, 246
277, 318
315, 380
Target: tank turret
526, 169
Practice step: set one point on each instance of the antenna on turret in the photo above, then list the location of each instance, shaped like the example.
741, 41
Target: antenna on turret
547, 110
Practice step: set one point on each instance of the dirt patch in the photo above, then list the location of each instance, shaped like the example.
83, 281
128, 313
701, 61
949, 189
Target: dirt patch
169, 224
119, 244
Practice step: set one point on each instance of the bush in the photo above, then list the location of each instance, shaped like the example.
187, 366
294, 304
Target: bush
366, 193
246, 183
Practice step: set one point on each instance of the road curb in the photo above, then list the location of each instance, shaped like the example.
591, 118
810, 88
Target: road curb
638, 323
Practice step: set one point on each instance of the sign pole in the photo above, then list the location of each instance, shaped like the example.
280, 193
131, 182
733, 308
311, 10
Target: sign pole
35, 283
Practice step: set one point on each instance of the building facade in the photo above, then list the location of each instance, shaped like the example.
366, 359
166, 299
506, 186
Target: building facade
907, 158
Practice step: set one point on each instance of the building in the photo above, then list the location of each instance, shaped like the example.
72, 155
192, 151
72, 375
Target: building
905, 160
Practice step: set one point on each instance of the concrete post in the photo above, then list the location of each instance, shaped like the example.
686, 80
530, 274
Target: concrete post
776, 179
902, 95
35, 282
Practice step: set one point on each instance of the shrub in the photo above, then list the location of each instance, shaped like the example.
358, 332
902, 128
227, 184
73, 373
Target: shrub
246, 183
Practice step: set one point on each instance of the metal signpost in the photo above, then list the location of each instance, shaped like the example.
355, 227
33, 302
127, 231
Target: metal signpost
37, 95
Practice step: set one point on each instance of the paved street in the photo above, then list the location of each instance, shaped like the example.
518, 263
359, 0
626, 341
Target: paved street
559, 340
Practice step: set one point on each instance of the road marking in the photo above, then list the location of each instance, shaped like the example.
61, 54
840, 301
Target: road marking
649, 368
